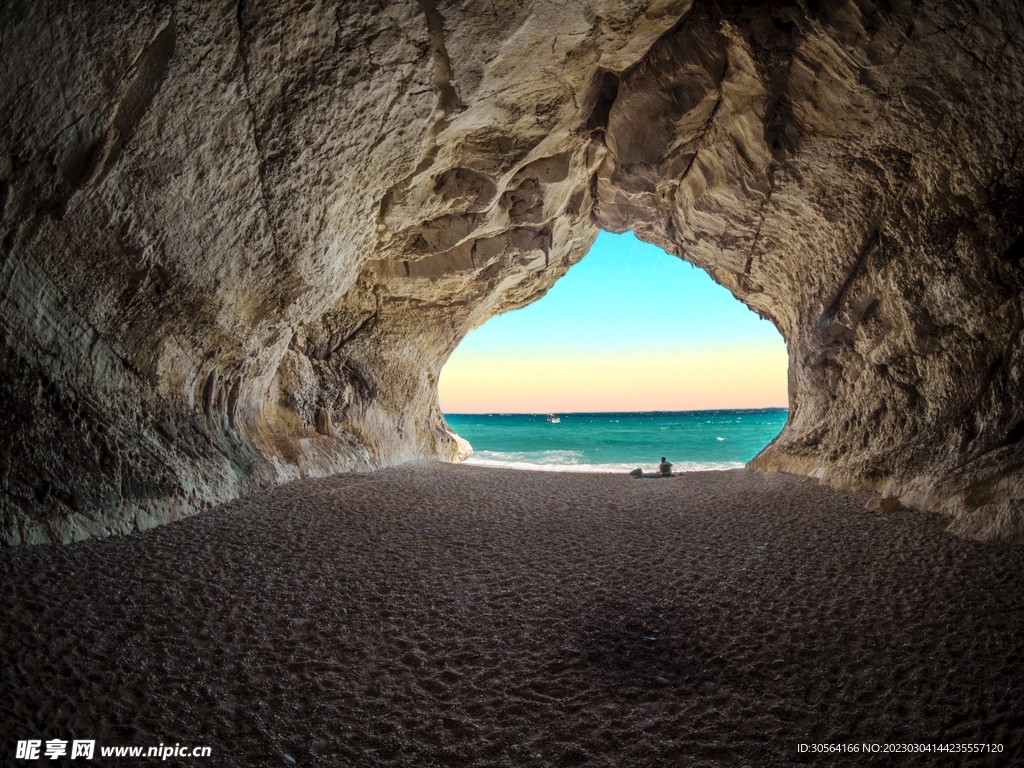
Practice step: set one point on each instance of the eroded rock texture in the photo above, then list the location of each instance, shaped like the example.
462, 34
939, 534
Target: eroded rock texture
239, 240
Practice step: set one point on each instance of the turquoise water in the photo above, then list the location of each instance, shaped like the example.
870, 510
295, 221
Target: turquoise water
617, 442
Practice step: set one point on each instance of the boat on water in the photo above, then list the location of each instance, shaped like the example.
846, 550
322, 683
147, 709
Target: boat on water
552, 419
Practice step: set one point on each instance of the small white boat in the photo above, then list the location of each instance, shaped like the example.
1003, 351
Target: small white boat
552, 419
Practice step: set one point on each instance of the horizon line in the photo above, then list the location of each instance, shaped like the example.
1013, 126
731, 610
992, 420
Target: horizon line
580, 413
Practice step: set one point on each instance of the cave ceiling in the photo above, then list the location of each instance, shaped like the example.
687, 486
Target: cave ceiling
240, 240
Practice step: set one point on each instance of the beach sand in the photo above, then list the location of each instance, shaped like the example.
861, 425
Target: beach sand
462, 616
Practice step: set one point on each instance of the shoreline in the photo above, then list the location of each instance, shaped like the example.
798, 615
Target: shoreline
453, 614
600, 469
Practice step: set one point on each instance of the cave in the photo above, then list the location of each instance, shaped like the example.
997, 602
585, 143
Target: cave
239, 241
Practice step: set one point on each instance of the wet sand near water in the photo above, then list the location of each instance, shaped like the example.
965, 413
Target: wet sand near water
437, 615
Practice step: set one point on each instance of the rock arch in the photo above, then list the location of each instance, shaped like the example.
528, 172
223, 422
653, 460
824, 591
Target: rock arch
239, 242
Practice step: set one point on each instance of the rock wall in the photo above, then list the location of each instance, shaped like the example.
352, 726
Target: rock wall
238, 241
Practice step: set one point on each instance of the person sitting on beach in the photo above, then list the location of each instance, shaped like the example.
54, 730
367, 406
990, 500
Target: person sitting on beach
665, 468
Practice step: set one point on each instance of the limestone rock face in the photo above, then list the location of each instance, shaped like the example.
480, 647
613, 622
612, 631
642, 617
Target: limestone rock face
239, 240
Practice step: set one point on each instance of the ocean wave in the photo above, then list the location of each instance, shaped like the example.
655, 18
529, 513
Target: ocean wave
549, 456
569, 461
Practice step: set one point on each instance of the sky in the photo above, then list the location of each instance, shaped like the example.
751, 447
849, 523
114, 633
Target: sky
628, 328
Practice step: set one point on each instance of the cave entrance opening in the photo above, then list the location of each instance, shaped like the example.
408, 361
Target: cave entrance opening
634, 354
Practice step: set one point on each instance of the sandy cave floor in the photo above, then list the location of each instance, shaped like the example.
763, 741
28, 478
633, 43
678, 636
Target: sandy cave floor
461, 616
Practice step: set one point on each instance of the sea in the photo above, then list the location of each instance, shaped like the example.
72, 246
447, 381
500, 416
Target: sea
618, 442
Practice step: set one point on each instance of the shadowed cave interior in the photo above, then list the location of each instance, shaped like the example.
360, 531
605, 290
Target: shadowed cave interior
239, 240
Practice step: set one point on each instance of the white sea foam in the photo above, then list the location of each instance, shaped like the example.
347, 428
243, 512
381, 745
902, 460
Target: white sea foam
568, 461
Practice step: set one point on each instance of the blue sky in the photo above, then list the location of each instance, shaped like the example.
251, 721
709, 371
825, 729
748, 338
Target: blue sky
628, 328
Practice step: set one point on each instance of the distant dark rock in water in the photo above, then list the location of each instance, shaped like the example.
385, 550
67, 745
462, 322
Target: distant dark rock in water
234, 253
